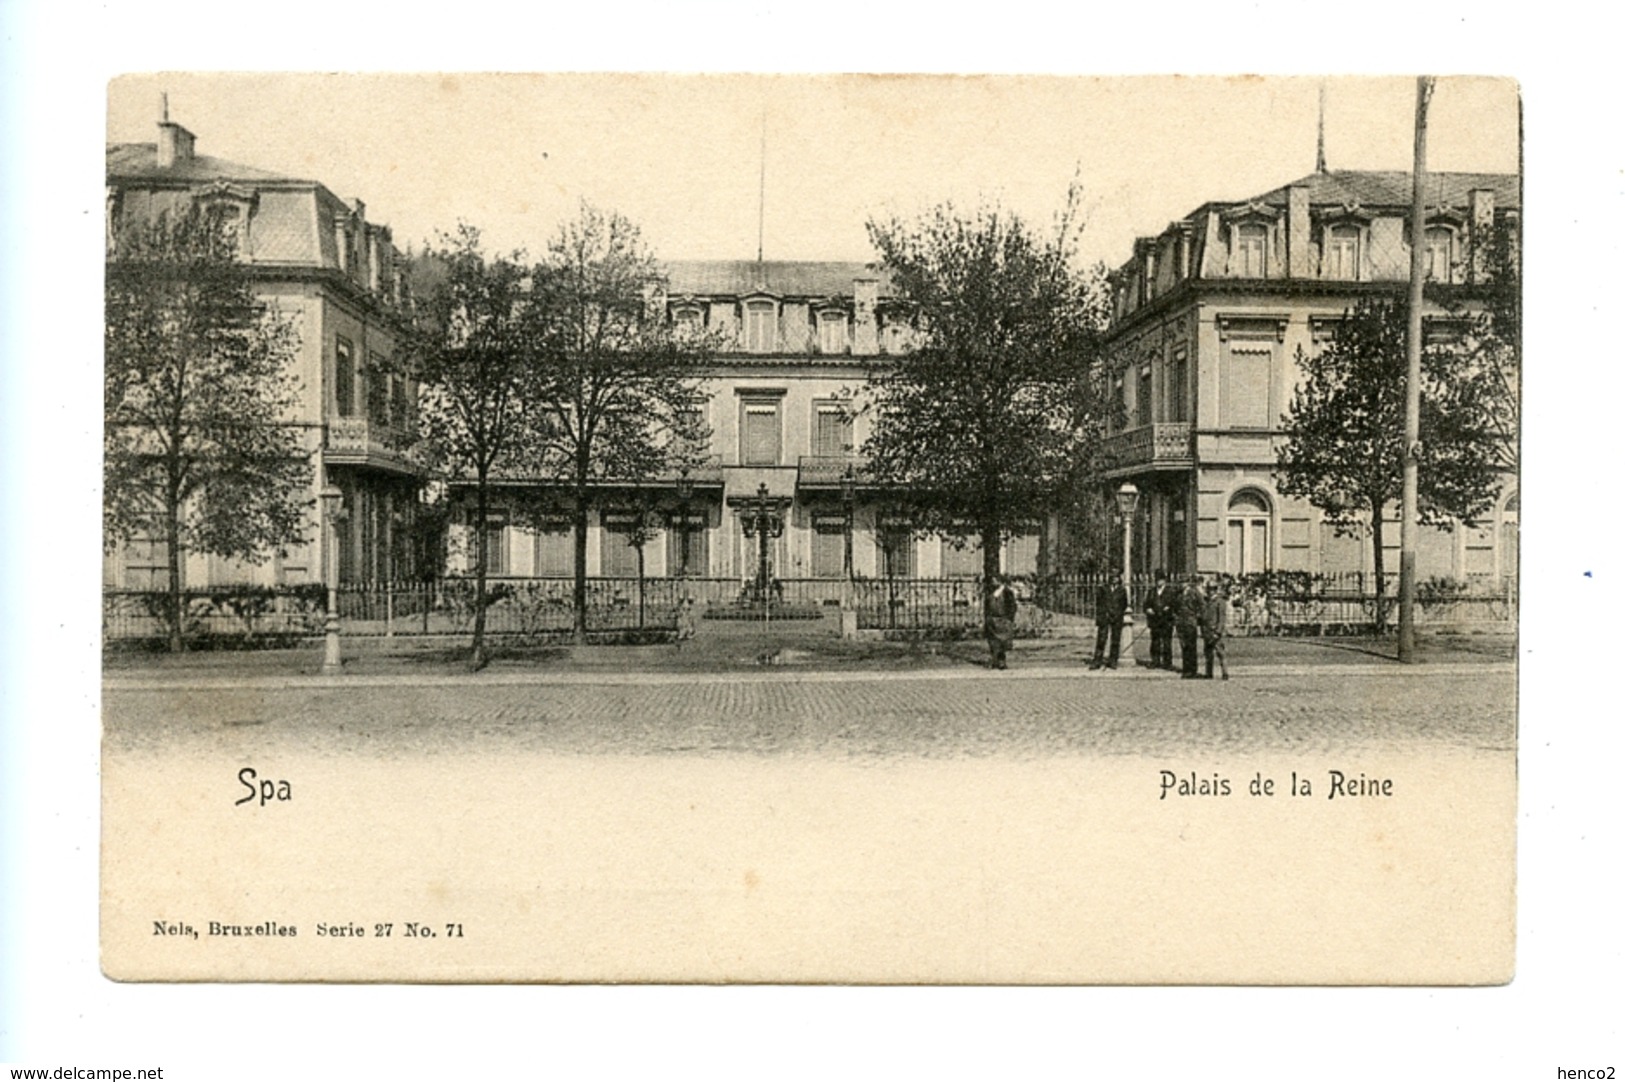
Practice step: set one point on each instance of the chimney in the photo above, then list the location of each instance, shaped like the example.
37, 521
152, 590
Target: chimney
174, 144
1297, 231
865, 332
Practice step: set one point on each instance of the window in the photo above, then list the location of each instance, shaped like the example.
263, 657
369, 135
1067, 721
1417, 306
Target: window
1142, 400
1021, 554
896, 337
1174, 408
760, 437
1247, 387
1250, 248
1342, 261
344, 376
146, 561
496, 562
829, 547
555, 555
761, 327
692, 419
1438, 258
895, 555
689, 322
1247, 534
1119, 404
377, 388
618, 557
964, 562
688, 552
832, 430
832, 332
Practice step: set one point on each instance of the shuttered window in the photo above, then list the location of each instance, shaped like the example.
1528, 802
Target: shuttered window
829, 547
832, 431
761, 435
555, 550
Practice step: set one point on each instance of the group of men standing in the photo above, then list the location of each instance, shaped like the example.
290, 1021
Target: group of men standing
1190, 608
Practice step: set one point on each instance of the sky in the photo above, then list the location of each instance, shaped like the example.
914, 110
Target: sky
698, 160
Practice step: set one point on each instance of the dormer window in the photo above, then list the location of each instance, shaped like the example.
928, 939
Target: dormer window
761, 327
1440, 257
228, 207
1250, 241
1341, 261
832, 332
688, 322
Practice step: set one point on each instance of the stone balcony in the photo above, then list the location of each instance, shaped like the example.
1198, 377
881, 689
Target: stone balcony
356, 441
1166, 445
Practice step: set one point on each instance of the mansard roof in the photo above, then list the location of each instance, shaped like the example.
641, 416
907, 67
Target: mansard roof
1371, 188
782, 278
139, 161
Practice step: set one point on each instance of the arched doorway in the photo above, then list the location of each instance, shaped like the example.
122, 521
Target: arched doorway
1247, 533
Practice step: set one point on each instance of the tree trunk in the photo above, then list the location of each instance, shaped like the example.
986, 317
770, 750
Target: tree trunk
476, 657
990, 566
175, 610
1376, 560
579, 594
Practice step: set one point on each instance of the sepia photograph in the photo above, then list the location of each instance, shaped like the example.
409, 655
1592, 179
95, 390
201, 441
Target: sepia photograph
811, 529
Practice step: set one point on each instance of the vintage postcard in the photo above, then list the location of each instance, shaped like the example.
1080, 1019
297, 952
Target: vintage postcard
832, 529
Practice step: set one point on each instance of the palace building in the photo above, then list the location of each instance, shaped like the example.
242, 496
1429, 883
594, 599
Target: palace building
314, 258
1207, 319
781, 399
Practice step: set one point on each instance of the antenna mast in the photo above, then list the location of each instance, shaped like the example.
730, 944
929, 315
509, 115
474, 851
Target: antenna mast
1320, 132
761, 190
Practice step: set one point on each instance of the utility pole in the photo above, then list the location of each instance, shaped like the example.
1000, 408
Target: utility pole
1408, 523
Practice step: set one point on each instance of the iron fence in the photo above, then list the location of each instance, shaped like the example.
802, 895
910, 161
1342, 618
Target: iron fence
1269, 603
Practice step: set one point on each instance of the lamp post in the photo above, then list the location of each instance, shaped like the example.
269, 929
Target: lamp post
332, 498
685, 493
762, 521
1127, 497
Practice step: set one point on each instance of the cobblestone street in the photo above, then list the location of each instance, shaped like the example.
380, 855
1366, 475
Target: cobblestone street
934, 715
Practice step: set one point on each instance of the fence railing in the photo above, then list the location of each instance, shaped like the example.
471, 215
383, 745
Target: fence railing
1270, 603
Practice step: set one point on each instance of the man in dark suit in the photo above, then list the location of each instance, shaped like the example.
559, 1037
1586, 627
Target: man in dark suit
1111, 603
1159, 617
1000, 624
1187, 618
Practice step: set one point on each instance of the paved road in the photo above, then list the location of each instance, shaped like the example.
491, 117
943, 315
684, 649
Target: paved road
853, 716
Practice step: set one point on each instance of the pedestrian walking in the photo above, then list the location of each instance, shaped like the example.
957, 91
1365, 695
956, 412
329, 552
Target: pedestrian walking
1111, 603
685, 621
1186, 620
1215, 627
1160, 608
999, 621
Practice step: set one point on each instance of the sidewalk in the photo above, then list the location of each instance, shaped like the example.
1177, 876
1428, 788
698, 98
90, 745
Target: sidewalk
749, 652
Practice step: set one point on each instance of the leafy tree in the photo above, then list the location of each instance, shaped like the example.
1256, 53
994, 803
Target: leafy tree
987, 425
1494, 341
474, 352
198, 444
614, 385
1344, 435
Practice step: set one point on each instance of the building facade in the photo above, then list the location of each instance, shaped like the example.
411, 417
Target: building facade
315, 259
782, 399
1208, 317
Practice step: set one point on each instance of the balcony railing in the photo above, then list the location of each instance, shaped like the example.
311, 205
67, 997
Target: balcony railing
358, 441
1165, 445
824, 471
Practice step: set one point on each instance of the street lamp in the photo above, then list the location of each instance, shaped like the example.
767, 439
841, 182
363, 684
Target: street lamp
762, 521
1127, 497
332, 508
685, 493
